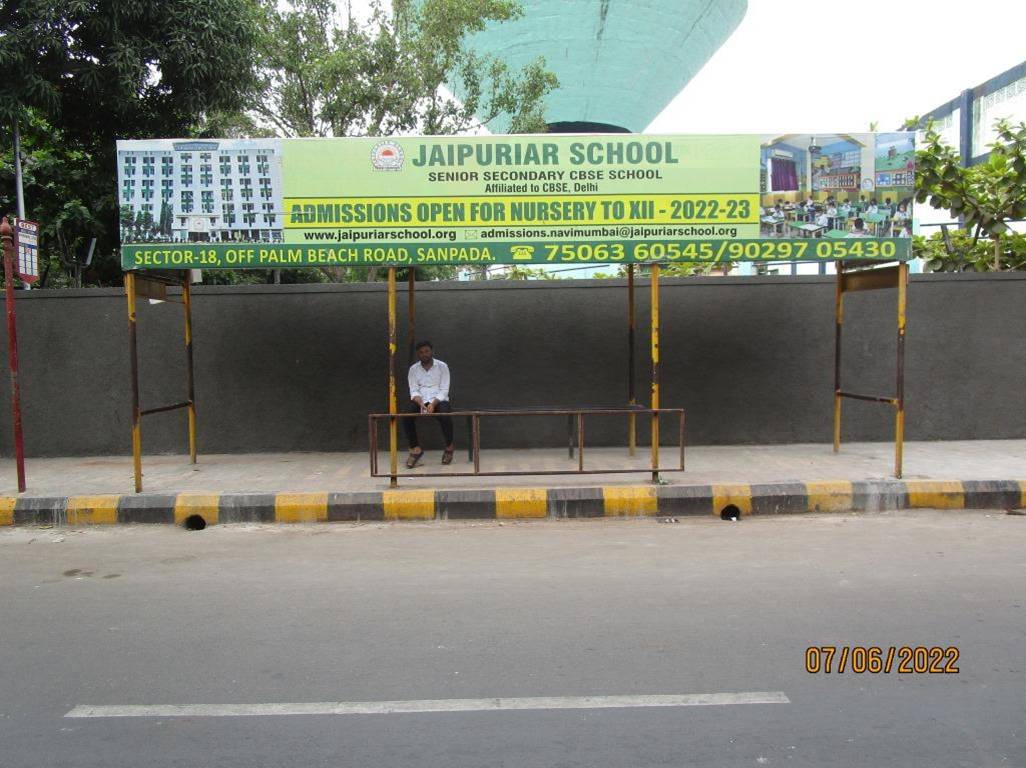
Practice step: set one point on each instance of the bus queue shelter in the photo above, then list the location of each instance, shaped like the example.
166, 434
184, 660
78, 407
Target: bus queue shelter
860, 275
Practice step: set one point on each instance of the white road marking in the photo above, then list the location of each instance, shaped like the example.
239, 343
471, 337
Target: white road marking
427, 705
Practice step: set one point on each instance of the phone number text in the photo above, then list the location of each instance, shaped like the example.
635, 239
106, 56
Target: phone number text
725, 250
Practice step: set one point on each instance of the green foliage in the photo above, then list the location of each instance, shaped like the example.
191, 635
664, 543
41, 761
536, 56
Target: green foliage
692, 269
78, 75
325, 73
124, 68
673, 269
985, 196
962, 253
64, 192
520, 272
430, 272
262, 276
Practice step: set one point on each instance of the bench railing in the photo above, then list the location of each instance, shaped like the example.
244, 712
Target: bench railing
575, 429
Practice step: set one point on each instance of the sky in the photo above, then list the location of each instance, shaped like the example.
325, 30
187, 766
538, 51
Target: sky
797, 67
794, 66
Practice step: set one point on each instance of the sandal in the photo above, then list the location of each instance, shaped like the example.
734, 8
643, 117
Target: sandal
447, 456
414, 459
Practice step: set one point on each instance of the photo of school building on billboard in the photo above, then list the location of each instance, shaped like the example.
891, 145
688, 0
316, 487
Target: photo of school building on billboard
200, 191
837, 185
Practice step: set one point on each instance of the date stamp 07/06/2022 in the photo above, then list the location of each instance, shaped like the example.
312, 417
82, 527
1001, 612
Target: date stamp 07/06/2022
875, 659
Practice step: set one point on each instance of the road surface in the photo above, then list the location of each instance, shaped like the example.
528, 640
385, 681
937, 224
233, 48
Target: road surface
594, 643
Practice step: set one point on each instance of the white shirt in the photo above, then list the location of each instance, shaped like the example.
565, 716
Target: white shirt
429, 383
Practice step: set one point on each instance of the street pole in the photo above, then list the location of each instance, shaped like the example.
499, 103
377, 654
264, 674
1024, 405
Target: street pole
18, 185
6, 235
17, 172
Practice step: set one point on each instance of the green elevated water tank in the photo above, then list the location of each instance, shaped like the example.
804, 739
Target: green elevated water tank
619, 62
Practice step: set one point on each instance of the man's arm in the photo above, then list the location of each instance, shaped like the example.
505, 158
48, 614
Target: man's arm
414, 390
443, 387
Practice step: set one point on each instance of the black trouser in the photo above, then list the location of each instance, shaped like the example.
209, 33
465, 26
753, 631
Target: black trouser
410, 425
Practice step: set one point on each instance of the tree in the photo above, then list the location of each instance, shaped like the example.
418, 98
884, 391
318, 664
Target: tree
165, 221
696, 268
955, 250
61, 192
329, 74
100, 70
125, 217
520, 272
985, 197
678, 269
78, 75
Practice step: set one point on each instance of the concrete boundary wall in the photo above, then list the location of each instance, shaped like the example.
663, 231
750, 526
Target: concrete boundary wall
298, 368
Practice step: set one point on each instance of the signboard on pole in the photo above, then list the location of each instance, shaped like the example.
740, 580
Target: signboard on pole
543, 199
26, 235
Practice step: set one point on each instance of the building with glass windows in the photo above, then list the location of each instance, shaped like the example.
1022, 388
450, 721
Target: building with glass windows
201, 191
967, 121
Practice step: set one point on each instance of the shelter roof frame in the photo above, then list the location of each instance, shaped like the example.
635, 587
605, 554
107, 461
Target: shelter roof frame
153, 285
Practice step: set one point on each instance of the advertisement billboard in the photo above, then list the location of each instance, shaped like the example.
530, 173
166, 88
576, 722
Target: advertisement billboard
531, 199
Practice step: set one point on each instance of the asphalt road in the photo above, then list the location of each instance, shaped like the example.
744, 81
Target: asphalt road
253, 615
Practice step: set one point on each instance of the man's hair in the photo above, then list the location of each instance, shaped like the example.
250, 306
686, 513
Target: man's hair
425, 343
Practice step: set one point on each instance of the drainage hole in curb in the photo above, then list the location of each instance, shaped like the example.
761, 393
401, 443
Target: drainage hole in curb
194, 523
730, 513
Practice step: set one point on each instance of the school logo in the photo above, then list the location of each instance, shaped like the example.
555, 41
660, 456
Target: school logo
522, 252
387, 156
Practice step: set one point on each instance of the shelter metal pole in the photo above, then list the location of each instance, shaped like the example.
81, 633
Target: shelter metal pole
187, 304
631, 398
655, 372
680, 439
133, 356
475, 441
580, 442
411, 313
899, 417
392, 405
838, 323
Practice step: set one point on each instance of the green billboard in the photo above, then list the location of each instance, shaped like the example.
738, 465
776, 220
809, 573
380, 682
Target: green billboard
538, 199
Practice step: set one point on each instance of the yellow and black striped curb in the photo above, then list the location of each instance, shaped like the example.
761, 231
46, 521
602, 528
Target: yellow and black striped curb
517, 503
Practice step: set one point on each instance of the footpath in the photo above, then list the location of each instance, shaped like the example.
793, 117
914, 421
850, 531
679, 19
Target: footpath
726, 481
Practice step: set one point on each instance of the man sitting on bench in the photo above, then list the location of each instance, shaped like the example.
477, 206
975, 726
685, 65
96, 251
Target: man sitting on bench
429, 393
